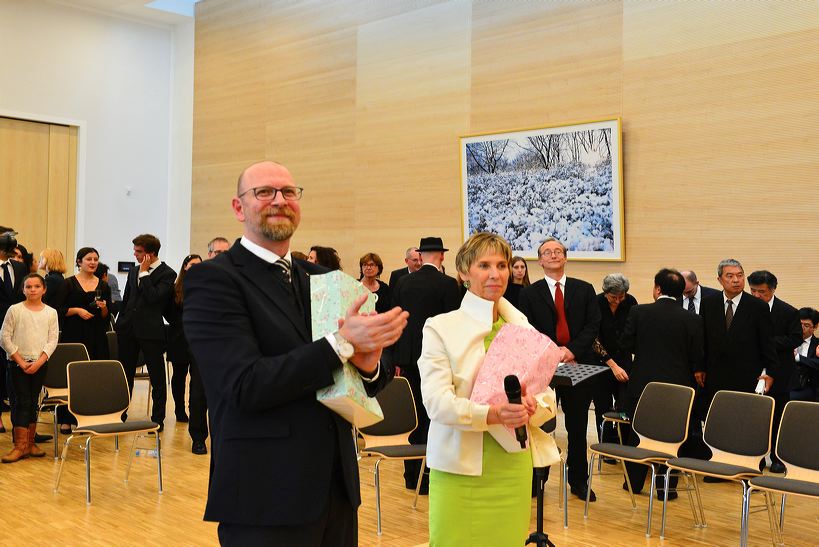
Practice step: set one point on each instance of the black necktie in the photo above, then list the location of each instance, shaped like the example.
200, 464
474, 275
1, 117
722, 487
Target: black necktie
7, 283
284, 265
729, 315
691, 307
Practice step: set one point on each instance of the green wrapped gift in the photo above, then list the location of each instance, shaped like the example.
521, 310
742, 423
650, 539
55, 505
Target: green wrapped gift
331, 295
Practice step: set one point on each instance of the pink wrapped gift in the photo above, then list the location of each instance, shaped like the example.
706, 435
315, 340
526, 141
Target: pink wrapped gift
531, 356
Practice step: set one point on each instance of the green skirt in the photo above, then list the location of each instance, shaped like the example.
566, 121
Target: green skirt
492, 509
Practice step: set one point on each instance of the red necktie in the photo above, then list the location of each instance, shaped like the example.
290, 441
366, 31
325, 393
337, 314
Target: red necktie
562, 326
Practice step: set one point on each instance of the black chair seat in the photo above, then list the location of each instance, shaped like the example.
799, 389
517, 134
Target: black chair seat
713, 468
634, 453
124, 427
399, 451
616, 417
784, 484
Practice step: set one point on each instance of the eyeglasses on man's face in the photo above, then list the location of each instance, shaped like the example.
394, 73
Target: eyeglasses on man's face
552, 252
269, 193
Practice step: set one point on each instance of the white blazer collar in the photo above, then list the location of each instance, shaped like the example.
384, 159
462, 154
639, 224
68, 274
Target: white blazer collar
481, 310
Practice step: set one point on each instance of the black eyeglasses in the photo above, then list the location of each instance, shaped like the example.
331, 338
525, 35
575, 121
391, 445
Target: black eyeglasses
268, 193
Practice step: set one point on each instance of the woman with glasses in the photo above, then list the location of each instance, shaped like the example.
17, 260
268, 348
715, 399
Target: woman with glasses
178, 351
371, 267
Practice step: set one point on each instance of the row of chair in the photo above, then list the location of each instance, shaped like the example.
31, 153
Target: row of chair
738, 432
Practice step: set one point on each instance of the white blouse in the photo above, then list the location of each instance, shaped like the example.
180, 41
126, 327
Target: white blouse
29, 332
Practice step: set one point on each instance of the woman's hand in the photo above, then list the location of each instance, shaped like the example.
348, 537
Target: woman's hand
508, 414
619, 374
83, 313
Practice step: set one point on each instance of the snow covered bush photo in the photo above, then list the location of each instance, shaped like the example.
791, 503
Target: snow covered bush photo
563, 182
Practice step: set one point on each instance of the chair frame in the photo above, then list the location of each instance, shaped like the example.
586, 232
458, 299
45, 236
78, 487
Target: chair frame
653, 462
730, 458
57, 396
103, 419
380, 441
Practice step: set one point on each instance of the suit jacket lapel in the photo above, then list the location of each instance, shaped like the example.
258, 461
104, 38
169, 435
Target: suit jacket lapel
258, 272
547, 295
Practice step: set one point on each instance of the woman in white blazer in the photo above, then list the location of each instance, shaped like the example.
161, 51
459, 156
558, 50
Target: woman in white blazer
479, 493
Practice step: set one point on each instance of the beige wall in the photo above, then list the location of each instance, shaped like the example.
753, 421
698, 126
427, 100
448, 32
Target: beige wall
365, 102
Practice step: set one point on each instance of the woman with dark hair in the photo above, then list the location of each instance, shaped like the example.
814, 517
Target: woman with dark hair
84, 305
371, 266
178, 351
519, 278
324, 256
21, 254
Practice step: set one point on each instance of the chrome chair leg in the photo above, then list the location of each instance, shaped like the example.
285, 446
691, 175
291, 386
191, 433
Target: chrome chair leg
688, 490
130, 459
743, 518
782, 513
773, 522
651, 498
377, 496
62, 461
665, 500
420, 479
88, 470
116, 443
564, 479
588, 485
56, 433
159, 460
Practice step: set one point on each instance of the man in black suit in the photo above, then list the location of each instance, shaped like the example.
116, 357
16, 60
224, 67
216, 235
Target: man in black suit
787, 336
739, 341
424, 294
140, 326
805, 386
566, 310
12, 273
283, 465
693, 294
667, 344
413, 261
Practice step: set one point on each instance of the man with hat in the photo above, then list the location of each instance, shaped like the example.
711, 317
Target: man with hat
424, 294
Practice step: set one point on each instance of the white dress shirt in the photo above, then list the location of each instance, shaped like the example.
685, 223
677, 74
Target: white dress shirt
697, 298
552, 283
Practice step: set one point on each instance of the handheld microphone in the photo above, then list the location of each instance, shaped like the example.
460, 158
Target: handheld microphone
511, 385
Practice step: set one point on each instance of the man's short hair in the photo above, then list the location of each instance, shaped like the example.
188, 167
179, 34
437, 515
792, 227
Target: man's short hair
219, 239
763, 277
150, 243
549, 240
810, 314
671, 282
409, 251
728, 262
478, 244
691, 275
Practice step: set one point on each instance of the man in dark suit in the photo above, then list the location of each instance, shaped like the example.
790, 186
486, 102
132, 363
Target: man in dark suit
805, 386
413, 261
140, 327
738, 337
11, 283
693, 294
667, 344
566, 310
424, 294
787, 336
283, 465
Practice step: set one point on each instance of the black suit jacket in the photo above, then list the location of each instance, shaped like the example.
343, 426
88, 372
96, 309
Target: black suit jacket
424, 294
398, 274
6, 299
705, 292
582, 315
734, 359
787, 336
275, 448
145, 302
667, 344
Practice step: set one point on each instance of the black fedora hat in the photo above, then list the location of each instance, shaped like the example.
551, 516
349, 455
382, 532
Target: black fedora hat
431, 244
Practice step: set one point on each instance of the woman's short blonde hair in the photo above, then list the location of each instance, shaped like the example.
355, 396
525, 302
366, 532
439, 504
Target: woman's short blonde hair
476, 246
54, 260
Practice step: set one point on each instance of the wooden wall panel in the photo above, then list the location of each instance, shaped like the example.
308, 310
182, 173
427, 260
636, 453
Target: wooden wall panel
365, 101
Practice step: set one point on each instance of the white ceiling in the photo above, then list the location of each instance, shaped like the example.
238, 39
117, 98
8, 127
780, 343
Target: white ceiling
138, 10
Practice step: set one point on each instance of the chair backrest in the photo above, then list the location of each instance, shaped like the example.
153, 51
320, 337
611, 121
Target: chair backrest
56, 378
662, 415
798, 442
113, 346
400, 417
97, 391
738, 427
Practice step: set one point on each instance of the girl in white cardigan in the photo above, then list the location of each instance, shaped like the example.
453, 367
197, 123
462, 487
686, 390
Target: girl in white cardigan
29, 336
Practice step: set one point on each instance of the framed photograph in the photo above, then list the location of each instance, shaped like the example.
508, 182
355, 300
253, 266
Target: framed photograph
564, 181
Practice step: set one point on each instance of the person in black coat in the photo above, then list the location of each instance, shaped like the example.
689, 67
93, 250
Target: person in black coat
370, 268
178, 352
691, 298
413, 261
283, 465
574, 327
52, 262
667, 344
11, 292
424, 294
787, 336
140, 325
805, 383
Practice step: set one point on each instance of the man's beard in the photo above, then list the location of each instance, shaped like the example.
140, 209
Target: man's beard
280, 231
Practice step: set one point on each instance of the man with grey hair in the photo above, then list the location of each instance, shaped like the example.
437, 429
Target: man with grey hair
738, 336
694, 292
217, 246
412, 258
566, 310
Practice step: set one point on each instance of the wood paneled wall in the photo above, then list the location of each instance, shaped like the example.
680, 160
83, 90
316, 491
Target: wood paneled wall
365, 100
38, 184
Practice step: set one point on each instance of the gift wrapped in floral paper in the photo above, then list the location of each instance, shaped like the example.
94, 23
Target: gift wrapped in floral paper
532, 357
331, 295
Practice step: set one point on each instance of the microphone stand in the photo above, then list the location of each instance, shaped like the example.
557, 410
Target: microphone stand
539, 537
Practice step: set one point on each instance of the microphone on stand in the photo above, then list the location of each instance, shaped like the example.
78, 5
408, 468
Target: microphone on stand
511, 385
